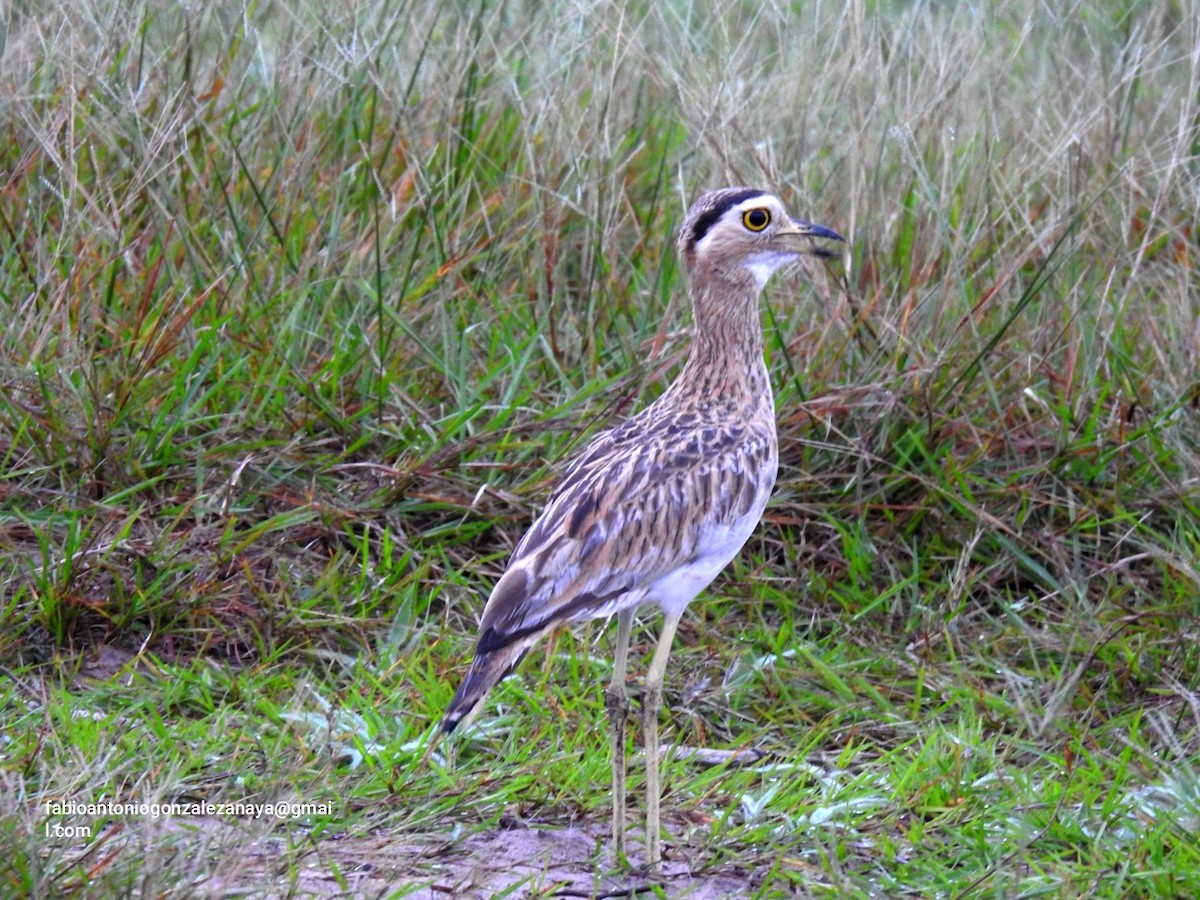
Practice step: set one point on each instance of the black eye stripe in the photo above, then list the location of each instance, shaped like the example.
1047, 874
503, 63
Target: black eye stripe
709, 217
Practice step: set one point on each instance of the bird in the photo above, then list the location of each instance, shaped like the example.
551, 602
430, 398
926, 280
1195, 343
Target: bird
651, 510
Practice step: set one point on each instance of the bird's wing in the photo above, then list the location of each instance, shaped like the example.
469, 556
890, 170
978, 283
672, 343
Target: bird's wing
641, 501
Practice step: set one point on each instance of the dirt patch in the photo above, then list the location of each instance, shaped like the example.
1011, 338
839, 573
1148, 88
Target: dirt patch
519, 862
570, 862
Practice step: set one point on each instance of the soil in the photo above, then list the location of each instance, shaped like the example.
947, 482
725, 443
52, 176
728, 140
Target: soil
519, 862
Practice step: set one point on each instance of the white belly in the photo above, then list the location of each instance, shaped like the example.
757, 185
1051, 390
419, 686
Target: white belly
716, 547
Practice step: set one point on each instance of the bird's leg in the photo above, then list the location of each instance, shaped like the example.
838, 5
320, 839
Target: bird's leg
616, 700
651, 706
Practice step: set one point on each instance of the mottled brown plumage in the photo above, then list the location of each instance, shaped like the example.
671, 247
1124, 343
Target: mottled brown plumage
653, 509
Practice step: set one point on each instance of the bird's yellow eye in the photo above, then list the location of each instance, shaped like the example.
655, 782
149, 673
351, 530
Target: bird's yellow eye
756, 219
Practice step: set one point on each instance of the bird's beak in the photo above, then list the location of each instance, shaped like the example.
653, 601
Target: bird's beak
809, 230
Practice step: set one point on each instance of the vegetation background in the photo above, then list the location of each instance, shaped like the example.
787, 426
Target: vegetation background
305, 304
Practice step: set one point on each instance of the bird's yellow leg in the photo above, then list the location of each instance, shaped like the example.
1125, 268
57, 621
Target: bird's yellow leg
616, 700
651, 706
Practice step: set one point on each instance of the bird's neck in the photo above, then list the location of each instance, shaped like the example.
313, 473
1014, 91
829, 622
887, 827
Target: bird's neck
727, 343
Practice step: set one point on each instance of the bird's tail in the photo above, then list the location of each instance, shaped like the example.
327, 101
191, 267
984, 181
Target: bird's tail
487, 670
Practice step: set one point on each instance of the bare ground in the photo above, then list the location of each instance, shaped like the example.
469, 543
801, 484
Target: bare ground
518, 861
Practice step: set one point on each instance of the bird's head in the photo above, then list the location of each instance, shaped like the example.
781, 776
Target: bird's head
748, 229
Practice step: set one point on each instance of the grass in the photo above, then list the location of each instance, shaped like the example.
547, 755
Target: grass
307, 304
